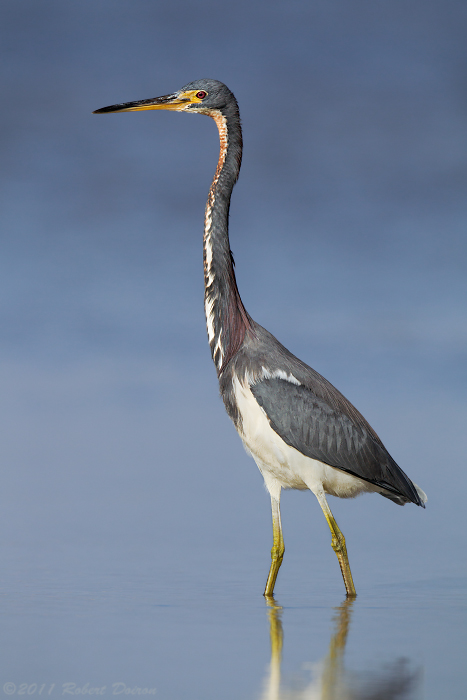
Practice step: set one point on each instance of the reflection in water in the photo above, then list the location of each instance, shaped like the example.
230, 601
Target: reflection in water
330, 680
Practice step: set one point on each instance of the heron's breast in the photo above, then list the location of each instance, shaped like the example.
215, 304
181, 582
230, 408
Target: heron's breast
266, 447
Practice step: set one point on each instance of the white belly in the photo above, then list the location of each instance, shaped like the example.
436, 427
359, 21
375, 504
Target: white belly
284, 464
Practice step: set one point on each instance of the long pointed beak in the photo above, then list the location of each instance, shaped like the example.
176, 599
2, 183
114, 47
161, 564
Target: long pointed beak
174, 102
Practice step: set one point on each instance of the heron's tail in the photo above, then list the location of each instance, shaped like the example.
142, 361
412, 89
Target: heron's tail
422, 494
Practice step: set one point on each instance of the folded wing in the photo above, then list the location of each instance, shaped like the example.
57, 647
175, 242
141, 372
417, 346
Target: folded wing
332, 431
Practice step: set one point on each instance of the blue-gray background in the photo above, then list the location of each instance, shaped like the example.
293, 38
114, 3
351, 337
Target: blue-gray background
134, 530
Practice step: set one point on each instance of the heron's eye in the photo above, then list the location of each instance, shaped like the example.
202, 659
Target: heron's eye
201, 95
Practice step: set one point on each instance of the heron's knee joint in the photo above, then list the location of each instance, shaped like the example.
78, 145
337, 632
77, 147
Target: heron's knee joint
338, 543
277, 554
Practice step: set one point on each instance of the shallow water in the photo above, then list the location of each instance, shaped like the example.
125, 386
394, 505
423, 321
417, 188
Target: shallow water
129, 556
81, 621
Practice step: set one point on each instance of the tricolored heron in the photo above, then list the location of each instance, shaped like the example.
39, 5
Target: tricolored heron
300, 430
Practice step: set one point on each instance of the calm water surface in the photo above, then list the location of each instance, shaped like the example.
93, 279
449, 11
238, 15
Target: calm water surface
76, 619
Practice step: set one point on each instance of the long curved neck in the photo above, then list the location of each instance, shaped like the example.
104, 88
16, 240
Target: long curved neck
226, 318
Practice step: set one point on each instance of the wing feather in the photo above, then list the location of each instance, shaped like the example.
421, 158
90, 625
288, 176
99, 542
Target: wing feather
331, 431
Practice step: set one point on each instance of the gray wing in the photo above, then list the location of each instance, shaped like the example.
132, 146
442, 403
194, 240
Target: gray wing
331, 431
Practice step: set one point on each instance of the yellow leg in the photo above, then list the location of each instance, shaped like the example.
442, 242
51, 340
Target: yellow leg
334, 678
277, 551
338, 545
275, 630
272, 686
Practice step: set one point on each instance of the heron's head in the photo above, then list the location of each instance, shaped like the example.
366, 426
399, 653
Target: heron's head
205, 96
